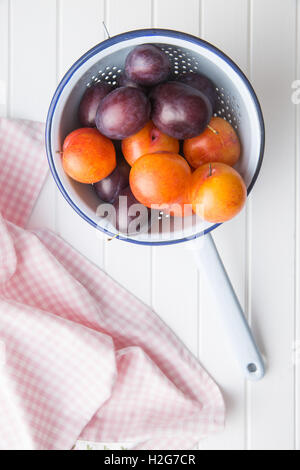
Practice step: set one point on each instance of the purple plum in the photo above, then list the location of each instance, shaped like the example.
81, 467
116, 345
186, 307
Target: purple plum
125, 81
203, 84
131, 216
122, 113
179, 110
109, 188
90, 102
147, 65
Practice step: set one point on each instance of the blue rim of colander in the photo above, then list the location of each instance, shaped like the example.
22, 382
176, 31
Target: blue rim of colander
104, 45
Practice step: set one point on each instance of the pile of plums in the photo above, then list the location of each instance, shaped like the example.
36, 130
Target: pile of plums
154, 116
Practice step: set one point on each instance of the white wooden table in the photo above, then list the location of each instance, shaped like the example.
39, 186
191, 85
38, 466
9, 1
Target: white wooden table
39, 40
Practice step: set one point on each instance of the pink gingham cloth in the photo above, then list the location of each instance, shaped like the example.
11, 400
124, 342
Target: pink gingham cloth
80, 357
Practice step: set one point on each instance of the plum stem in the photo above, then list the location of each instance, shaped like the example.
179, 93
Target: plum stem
105, 29
213, 130
210, 170
115, 236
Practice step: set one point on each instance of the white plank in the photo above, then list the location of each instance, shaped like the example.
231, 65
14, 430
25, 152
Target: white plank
273, 225
225, 23
32, 58
4, 44
177, 15
175, 277
222, 22
79, 28
129, 264
43, 214
126, 16
175, 291
297, 273
32, 79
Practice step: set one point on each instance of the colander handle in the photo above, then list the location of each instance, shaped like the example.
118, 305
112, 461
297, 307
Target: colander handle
229, 308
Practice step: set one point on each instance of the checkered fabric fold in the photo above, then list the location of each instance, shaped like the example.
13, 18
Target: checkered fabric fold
80, 357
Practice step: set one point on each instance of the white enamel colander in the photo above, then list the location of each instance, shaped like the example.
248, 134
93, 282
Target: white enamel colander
237, 103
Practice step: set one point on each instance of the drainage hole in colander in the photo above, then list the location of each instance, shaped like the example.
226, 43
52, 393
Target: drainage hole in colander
252, 368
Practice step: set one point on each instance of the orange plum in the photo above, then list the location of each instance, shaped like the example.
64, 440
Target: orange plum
161, 180
218, 143
88, 156
148, 140
217, 192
